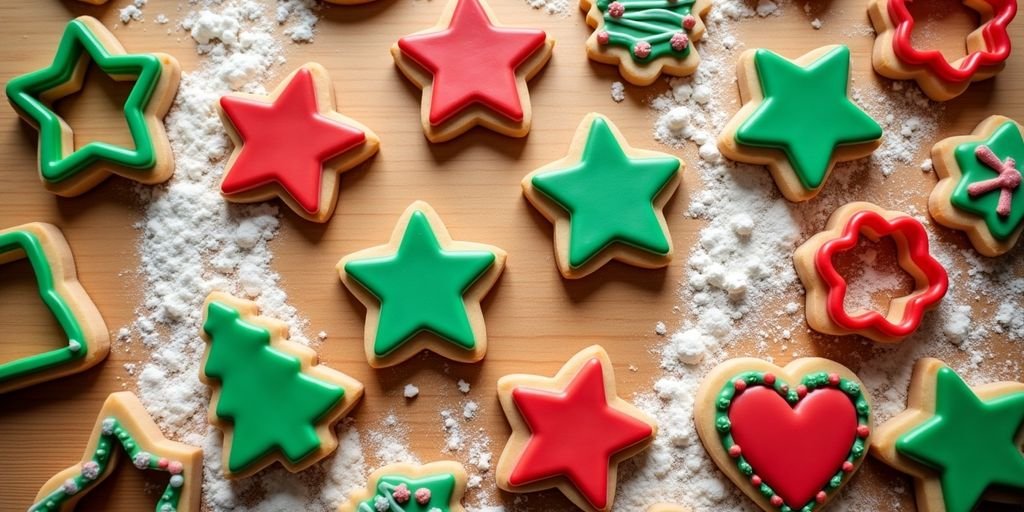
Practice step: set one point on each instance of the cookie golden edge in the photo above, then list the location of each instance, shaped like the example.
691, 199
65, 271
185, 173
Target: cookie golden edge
332, 169
61, 261
129, 411
920, 407
941, 208
775, 159
310, 365
704, 413
666, 507
643, 74
412, 471
425, 340
474, 115
561, 220
520, 435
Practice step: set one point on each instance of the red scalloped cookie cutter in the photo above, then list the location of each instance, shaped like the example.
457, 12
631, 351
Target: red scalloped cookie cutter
826, 288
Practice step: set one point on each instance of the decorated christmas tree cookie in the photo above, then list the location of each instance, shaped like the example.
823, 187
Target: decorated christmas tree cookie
434, 487
646, 38
473, 71
790, 438
124, 430
270, 397
67, 171
570, 432
88, 340
422, 291
979, 191
606, 199
962, 444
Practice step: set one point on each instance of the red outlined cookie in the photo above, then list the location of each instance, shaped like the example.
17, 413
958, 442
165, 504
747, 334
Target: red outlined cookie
789, 438
292, 144
570, 432
895, 56
473, 71
826, 288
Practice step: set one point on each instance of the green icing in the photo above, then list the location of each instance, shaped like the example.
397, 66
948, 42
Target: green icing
113, 433
271, 403
77, 44
420, 288
441, 487
811, 381
970, 442
653, 21
77, 347
610, 197
806, 112
1005, 142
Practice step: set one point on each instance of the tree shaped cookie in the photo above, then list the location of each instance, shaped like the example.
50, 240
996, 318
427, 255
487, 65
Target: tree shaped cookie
270, 397
124, 426
962, 444
292, 144
422, 291
88, 343
434, 487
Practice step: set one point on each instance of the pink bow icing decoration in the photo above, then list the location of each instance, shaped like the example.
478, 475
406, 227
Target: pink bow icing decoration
1008, 180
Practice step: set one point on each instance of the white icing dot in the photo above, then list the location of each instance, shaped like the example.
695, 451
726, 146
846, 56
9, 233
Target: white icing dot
177, 481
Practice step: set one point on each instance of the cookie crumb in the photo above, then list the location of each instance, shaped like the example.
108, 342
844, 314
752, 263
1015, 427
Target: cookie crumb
410, 391
618, 92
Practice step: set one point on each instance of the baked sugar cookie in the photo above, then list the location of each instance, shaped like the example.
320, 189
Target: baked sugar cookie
473, 71
606, 200
961, 444
798, 119
88, 341
67, 171
663, 507
894, 55
422, 291
646, 38
435, 487
570, 432
271, 398
124, 428
826, 288
790, 438
979, 190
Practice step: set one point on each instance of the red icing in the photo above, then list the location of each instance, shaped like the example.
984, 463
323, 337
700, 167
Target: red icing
997, 42
473, 61
917, 246
795, 450
574, 433
285, 142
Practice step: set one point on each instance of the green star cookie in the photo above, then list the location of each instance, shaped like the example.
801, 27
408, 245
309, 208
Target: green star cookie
1005, 142
423, 282
606, 201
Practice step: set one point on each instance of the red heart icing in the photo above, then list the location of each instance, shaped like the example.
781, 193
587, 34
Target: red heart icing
795, 450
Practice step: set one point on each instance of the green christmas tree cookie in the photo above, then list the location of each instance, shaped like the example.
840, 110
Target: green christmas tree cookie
434, 487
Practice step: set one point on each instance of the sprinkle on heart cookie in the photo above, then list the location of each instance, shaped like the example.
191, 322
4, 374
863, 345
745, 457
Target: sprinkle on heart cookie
570, 432
826, 287
292, 144
473, 71
422, 291
798, 119
124, 426
790, 438
894, 55
962, 444
979, 191
435, 487
67, 171
646, 38
88, 343
606, 199
270, 397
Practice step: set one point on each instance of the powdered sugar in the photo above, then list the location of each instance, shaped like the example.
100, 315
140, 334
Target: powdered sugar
555, 7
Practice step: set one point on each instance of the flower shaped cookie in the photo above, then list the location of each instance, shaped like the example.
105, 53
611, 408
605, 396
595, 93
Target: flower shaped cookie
826, 288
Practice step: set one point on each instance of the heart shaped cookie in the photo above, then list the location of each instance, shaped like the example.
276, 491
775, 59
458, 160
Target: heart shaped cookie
790, 437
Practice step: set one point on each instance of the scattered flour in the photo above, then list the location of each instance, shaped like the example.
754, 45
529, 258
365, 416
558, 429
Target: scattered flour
618, 92
555, 7
410, 391
130, 13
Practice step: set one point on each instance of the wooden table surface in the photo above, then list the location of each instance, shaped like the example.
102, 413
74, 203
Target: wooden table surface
536, 320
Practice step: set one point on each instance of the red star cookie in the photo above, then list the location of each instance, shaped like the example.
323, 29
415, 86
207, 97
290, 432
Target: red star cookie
570, 431
293, 146
473, 71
